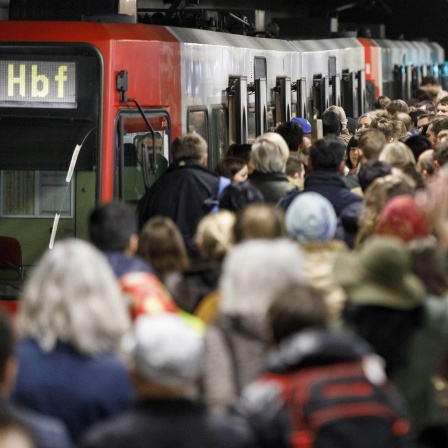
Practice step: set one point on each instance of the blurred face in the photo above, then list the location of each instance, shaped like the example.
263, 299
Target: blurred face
241, 175
442, 109
364, 123
420, 123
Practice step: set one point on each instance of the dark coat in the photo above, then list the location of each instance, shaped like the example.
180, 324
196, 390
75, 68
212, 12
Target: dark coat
273, 186
262, 402
329, 184
169, 423
184, 193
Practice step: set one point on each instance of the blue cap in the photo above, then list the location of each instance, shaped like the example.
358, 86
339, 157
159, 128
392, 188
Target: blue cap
306, 125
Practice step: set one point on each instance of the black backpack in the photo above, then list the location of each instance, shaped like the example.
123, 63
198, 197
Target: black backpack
336, 406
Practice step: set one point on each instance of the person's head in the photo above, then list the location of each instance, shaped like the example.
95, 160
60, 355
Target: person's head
375, 197
259, 221
72, 297
294, 167
397, 106
295, 308
167, 352
440, 155
270, 153
340, 114
148, 140
404, 118
381, 102
425, 164
371, 142
214, 235
161, 244
402, 218
365, 120
253, 274
370, 171
331, 125
427, 104
327, 154
292, 133
379, 273
239, 194
387, 127
418, 144
242, 151
233, 168
304, 123
113, 228
352, 153
383, 293
311, 217
422, 120
190, 146
397, 154
442, 106
415, 114
435, 126
429, 81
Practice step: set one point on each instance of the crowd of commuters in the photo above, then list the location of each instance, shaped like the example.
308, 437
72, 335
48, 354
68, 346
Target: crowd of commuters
204, 318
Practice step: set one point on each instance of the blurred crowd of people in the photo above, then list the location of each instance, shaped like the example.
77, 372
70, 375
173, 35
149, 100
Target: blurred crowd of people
174, 325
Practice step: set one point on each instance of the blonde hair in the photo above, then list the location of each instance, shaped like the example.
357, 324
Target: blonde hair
214, 234
259, 221
73, 297
397, 154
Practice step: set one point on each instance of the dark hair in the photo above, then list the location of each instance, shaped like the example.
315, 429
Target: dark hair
242, 151
353, 142
294, 309
229, 166
239, 194
371, 171
111, 226
416, 114
326, 154
418, 144
397, 327
292, 133
440, 154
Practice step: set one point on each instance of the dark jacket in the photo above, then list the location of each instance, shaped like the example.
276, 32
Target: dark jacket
329, 184
79, 390
262, 402
185, 193
169, 423
273, 186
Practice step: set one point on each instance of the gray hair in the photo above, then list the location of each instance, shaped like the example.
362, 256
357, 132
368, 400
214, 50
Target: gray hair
255, 271
270, 153
73, 297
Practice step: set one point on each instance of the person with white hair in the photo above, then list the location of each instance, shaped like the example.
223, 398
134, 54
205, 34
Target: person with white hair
253, 273
166, 350
269, 155
71, 322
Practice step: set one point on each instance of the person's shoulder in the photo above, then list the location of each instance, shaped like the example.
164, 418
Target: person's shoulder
113, 432
285, 202
49, 432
